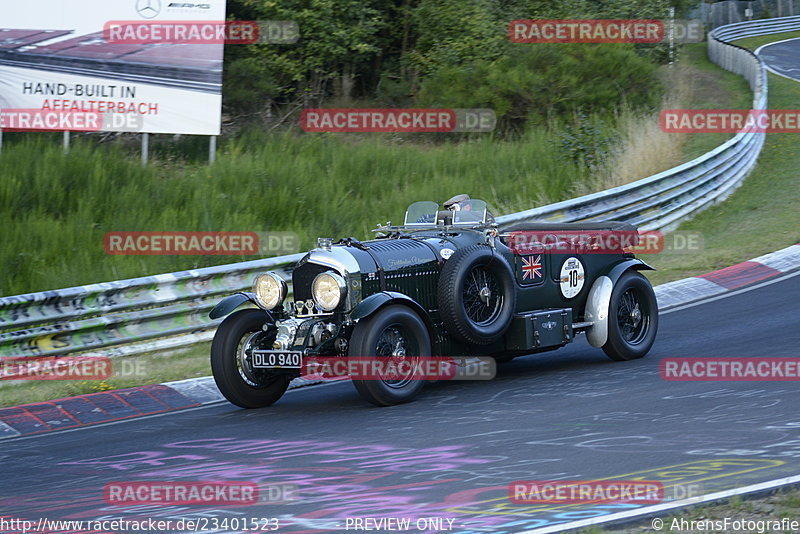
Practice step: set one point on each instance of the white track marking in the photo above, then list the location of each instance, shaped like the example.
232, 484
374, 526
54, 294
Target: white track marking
667, 506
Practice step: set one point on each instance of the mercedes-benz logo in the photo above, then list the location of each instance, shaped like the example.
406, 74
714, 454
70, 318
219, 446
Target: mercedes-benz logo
148, 9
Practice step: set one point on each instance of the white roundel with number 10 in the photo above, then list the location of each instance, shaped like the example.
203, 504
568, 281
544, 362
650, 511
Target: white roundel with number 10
572, 277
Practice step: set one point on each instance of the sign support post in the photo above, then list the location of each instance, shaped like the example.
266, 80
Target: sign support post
145, 148
671, 36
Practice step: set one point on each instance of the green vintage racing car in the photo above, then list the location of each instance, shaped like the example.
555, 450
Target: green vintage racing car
448, 282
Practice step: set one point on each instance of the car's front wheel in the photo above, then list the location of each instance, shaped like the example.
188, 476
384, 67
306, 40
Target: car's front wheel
399, 335
231, 353
632, 318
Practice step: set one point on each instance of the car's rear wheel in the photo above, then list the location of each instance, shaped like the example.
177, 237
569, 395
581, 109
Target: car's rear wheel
231, 353
397, 333
476, 295
632, 318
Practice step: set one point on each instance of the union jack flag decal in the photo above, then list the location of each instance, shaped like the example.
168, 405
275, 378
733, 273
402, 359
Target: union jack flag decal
531, 267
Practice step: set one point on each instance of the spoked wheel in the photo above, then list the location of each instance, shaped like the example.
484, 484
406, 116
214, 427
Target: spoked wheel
632, 323
392, 344
399, 335
632, 318
231, 357
483, 300
476, 295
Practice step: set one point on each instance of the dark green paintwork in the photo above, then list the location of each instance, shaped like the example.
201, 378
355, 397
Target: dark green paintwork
412, 269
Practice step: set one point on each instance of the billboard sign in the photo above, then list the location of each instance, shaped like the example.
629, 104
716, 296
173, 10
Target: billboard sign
55, 57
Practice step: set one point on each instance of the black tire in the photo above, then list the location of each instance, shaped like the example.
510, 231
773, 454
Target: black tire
240, 384
398, 325
632, 318
469, 314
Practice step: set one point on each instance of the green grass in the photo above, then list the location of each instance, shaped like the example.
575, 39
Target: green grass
127, 371
718, 89
754, 42
762, 215
55, 209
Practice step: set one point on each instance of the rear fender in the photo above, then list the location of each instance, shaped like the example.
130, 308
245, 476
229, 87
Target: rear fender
599, 299
631, 263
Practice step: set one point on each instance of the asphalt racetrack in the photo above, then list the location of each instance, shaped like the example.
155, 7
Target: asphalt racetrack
782, 57
569, 414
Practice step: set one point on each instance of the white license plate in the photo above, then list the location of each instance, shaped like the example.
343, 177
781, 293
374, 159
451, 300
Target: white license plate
276, 359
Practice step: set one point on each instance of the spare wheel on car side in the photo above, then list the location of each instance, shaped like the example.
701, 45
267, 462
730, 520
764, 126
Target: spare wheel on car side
476, 295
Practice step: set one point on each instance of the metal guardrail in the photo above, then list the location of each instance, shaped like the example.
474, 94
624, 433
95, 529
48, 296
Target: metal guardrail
171, 310
754, 28
138, 311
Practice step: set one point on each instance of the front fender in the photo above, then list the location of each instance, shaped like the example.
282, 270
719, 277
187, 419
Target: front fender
228, 304
599, 299
376, 301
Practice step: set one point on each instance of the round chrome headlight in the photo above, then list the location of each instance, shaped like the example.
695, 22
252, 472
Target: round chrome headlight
328, 290
270, 290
